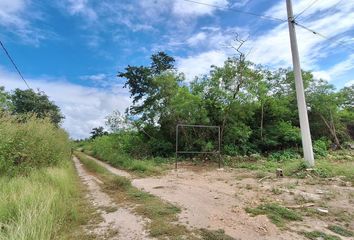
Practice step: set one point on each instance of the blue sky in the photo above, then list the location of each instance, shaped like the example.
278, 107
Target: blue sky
72, 49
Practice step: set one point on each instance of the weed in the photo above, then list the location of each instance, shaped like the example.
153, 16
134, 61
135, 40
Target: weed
341, 231
46, 204
276, 191
276, 213
118, 183
30, 144
215, 235
320, 235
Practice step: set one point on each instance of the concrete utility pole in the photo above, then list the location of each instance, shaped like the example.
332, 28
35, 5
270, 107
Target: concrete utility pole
300, 93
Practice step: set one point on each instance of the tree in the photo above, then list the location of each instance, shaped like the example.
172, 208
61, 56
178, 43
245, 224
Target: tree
5, 103
150, 87
346, 96
324, 103
28, 101
118, 122
98, 132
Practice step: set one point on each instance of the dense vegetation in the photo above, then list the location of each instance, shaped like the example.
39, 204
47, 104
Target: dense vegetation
28, 142
45, 204
40, 197
255, 108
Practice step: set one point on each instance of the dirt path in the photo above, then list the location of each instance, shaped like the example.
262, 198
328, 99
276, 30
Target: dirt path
209, 201
117, 222
215, 199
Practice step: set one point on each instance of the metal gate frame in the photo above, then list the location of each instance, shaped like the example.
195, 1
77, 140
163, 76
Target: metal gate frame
187, 152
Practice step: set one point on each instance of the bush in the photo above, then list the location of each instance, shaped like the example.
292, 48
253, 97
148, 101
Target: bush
320, 148
284, 155
28, 142
114, 149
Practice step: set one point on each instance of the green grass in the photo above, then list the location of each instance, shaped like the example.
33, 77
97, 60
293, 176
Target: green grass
341, 231
320, 235
92, 166
110, 150
46, 204
162, 214
338, 163
214, 235
279, 215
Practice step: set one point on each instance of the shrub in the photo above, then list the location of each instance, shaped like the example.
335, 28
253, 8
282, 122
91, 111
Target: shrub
320, 148
28, 142
284, 155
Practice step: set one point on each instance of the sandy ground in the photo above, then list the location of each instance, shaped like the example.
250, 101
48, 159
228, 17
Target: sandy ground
216, 199
210, 200
117, 222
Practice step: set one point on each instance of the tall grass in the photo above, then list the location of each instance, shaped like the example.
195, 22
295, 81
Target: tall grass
112, 149
27, 142
40, 206
40, 196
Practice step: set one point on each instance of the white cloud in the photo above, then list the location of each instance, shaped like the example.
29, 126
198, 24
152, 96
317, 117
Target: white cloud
349, 83
196, 65
196, 39
84, 107
343, 66
16, 17
322, 75
189, 9
81, 7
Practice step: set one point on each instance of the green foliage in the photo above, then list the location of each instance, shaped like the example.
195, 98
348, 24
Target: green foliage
320, 235
256, 109
215, 235
98, 132
29, 144
46, 204
341, 231
28, 101
284, 155
5, 103
119, 183
320, 148
276, 213
118, 149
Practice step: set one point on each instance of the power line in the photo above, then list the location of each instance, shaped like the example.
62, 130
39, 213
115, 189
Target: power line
324, 36
13, 63
309, 6
265, 17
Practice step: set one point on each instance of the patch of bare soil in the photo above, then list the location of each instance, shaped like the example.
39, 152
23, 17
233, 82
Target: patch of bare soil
216, 199
117, 222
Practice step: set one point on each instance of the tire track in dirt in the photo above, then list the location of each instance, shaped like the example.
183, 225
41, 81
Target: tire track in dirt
116, 224
208, 202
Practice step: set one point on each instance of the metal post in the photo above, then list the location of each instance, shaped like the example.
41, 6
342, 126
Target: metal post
300, 94
176, 147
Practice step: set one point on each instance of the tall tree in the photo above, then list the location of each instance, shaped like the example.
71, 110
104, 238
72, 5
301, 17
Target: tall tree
28, 101
151, 86
98, 132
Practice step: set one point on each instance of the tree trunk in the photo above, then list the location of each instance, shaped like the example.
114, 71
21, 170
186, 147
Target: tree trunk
332, 130
262, 116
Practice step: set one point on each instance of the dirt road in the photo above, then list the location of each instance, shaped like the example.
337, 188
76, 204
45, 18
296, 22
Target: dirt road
210, 200
214, 199
117, 222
